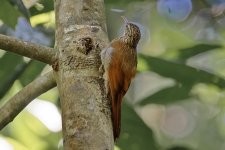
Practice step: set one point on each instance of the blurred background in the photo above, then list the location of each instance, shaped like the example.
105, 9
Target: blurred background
176, 101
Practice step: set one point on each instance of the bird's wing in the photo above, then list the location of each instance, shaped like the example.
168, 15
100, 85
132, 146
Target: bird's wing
116, 80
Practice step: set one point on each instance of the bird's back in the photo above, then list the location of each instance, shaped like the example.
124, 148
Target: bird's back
122, 69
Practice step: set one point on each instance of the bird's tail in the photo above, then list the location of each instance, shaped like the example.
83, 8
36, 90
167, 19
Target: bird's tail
116, 116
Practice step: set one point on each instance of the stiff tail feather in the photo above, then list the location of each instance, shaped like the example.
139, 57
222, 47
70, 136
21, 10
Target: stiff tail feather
117, 91
116, 117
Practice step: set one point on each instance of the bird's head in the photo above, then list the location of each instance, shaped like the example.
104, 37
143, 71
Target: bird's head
132, 32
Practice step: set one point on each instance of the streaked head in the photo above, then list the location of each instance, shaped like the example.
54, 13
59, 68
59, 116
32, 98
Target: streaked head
132, 31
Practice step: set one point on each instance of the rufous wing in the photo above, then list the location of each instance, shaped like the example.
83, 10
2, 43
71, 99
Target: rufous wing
118, 84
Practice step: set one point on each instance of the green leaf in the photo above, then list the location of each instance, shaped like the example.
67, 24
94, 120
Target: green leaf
167, 95
30, 131
21, 7
32, 71
8, 14
182, 73
135, 134
12, 66
16, 144
46, 7
8, 62
197, 49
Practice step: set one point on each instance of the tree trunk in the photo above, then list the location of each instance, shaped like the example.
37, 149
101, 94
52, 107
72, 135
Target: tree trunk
80, 37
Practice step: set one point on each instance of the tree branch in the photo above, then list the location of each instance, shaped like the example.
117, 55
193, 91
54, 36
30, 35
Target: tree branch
34, 51
19, 101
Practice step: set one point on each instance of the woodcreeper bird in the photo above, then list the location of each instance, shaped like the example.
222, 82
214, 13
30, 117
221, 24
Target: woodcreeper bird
120, 62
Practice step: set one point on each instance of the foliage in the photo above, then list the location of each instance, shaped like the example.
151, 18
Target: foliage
12, 12
129, 135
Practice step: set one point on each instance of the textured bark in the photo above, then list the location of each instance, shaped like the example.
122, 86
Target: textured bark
19, 101
31, 50
80, 37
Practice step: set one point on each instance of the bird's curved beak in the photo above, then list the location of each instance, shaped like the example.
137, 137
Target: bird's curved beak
124, 19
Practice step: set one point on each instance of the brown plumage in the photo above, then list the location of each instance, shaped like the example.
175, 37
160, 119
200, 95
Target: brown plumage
120, 63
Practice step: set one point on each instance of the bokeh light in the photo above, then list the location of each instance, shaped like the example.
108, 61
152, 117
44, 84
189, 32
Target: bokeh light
47, 113
177, 10
177, 122
5, 145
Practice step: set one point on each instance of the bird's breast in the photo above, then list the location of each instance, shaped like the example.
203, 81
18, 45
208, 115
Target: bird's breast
124, 57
